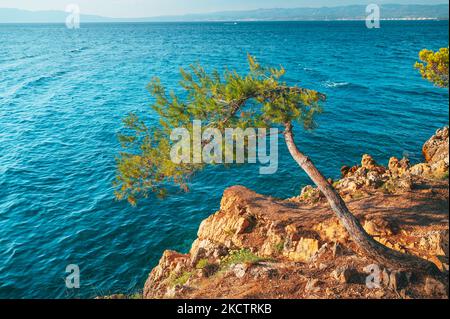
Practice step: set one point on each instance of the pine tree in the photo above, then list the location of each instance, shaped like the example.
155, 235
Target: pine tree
434, 66
259, 99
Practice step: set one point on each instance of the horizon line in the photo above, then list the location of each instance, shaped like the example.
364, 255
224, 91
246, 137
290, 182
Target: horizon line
230, 21
218, 12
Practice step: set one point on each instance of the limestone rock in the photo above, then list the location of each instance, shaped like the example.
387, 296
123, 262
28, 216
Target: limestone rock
398, 280
302, 249
336, 250
197, 255
171, 261
332, 230
290, 232
435, 151
378, 227
368, 162
398, 168
436, 242
239, 270
345, 275
264, 271
436, 148
319, 253
345, 170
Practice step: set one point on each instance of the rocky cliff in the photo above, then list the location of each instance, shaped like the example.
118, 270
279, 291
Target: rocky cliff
261, 247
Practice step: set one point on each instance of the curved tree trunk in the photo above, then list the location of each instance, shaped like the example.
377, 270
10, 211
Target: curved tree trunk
370, 247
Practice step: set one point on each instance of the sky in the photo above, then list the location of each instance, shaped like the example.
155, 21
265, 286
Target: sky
149, 8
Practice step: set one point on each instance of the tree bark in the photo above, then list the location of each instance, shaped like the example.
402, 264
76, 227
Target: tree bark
369, 247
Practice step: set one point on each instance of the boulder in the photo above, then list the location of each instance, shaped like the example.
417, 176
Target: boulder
397, 168
436, 148
368, 162
345, 170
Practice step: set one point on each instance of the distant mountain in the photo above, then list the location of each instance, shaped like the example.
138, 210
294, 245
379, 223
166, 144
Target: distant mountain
353, 12
23, 16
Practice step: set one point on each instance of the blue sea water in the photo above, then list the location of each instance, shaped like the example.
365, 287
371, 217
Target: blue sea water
64, 92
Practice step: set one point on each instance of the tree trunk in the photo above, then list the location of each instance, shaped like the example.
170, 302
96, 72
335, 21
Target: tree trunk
370, 247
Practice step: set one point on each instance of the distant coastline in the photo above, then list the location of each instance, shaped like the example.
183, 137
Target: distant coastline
339, 13
217, 21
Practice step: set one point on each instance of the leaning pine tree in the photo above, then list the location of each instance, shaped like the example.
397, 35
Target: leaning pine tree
258, 99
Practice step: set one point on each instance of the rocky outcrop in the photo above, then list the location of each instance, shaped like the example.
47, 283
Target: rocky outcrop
399, 176
436, 148
366, 178
254, 229
435, 151
261, 247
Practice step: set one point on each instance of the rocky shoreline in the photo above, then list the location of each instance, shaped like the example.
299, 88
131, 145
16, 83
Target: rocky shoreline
261, 247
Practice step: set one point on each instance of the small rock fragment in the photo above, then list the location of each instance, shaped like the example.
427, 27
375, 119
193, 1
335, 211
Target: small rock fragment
322, 266
239, 270
197, 255
336, 250
311, 285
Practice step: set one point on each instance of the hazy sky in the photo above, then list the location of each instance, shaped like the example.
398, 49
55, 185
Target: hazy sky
147, 8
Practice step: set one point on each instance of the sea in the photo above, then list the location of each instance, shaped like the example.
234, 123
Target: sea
64, 93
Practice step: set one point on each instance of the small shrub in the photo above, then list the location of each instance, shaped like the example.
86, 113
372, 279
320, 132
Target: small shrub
279, 247
136, 296
182, 279
388, 187
202, 263
240, 257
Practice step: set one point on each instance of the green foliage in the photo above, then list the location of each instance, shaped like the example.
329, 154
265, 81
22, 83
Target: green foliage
202, 263
258, 99
181, 279
279, 247
434, 67
241, 256
336, 184
136, 296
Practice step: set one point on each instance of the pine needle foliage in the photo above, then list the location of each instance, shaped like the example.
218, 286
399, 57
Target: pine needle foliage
434, 66
258, 99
